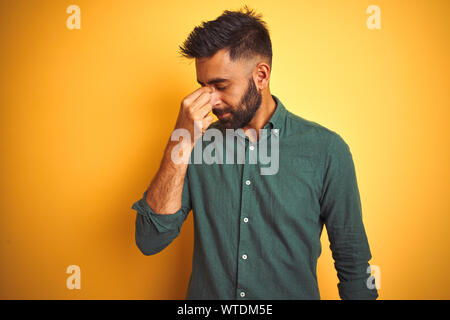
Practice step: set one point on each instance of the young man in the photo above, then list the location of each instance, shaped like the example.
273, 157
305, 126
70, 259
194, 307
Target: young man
257, 233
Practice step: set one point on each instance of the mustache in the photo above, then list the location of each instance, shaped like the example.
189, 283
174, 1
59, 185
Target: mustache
219, 112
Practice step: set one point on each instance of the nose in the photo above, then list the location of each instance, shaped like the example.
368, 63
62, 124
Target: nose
215, 98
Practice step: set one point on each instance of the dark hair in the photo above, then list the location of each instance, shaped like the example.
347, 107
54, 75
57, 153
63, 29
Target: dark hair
243, 32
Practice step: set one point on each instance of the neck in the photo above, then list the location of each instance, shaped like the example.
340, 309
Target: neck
262, 115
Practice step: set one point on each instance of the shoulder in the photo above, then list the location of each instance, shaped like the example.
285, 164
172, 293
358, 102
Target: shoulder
314, 131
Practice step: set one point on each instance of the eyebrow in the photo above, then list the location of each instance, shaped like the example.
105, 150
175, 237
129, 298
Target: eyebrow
214, 81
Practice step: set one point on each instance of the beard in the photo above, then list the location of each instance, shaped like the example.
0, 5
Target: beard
248, 105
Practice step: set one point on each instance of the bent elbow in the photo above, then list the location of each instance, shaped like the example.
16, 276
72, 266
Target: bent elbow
148, 248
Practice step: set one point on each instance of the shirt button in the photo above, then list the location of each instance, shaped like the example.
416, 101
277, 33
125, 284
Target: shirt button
242, 294
244, 256
247, 182
245, 220
252, 148
275, 131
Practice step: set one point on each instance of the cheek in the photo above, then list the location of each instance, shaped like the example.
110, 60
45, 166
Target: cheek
231, 98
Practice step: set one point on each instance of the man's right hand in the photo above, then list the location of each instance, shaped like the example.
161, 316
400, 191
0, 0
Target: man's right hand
194, 112
165, 191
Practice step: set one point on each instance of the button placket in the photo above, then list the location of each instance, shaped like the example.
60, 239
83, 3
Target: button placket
244, 244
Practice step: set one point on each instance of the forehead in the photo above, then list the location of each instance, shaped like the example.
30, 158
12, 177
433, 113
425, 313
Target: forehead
219, 66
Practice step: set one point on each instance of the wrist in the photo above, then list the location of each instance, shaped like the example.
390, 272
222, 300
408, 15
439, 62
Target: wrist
178, 152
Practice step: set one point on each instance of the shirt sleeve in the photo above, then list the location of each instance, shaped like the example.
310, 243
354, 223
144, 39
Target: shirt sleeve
154, 231
342, 215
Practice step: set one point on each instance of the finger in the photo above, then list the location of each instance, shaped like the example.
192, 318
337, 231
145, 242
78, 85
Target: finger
205, 109
202, 100
194, 95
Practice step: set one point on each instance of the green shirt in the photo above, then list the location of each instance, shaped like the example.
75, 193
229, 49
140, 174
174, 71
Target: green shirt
258, 236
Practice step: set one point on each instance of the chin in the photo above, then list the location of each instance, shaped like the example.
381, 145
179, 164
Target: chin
227, 125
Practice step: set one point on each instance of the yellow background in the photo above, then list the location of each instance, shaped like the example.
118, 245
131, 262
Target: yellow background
85, 115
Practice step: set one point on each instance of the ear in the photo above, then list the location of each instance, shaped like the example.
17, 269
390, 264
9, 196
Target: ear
262, 75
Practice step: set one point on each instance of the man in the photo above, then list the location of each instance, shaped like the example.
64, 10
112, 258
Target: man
257, 235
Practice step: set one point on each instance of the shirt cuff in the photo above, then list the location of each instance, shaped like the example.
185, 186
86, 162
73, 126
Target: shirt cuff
356, 290
162, 222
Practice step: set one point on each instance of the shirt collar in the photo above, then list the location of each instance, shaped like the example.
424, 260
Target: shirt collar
276, 120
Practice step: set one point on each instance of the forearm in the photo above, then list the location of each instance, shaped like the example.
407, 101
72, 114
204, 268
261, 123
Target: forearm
165, 191
351, 252
158, 223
